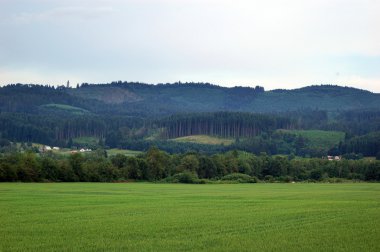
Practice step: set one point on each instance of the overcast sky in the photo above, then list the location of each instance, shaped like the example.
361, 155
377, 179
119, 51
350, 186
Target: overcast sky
272, 43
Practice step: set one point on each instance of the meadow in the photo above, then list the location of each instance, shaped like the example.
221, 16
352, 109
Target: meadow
65, 108
179, 217
319, 138
128, 153
205, 139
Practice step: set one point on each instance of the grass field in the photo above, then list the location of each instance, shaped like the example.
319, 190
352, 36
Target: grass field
66, 108
320, 138
129, 153
177, 217
205, 139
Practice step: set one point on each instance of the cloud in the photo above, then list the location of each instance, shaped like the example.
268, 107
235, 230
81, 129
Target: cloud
275, 43
63, 13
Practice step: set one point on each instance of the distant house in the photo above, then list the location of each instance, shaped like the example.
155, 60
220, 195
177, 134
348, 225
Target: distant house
55, 148
336, 158
47, 147
85, 150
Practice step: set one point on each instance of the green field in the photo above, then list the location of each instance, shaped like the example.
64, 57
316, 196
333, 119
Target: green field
129, 153
320, 138
205, 139
65, 108
174, 217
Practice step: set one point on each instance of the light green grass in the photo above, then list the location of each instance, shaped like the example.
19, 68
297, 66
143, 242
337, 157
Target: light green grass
320, 138
176, 217
205, 139
112, 152
66, 108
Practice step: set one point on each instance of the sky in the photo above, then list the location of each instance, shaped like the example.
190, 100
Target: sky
272, 43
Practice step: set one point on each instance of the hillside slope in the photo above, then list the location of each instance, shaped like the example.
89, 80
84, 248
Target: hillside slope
164, 99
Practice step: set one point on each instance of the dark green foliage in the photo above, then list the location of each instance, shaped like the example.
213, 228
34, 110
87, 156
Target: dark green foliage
224, 124
134, 171
156, 165
157, 162
119, 160
29, 169
372, 172
5, 143
316, 174
352, 156
185, 177
188, 163
136, 116
165, 99
368, 145
207, 168
239, 177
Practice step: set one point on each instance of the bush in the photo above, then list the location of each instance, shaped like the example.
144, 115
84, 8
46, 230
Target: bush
203, 181
355, 176
269, 178
333, 180
316, 174
185, 177
286, 179
240, 177
372, 172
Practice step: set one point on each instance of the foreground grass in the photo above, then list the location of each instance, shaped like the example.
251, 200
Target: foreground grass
167, 217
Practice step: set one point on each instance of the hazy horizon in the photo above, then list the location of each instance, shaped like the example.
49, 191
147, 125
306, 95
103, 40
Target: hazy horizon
274, 44
74, 85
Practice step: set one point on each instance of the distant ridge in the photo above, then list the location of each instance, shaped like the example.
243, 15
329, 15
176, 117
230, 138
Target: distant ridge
323, 87
134, 98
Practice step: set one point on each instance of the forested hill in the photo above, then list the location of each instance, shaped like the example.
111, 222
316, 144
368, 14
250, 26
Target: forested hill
137, 99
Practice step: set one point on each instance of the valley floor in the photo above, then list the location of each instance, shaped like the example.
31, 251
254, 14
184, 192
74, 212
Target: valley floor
173, 217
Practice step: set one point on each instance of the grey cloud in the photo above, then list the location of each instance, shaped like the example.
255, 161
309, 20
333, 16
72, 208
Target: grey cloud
68, 12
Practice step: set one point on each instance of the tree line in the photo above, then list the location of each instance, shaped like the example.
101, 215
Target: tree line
192, 167
224, 124
133, 133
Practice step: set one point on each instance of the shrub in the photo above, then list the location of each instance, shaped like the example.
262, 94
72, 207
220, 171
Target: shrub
240, 177
286, 179
316, 174
333, 180
355, 176
185, 177
203, 181
269, 178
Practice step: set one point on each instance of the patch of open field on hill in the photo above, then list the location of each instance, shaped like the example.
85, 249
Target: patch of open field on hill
66, 108
130, 153
320, 138
205, 139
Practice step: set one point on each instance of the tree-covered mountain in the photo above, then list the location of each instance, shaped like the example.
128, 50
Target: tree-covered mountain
136, 116
164, 99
